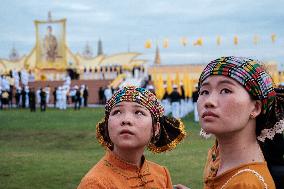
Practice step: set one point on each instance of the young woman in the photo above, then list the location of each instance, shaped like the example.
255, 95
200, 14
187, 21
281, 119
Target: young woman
239, 105
134, 120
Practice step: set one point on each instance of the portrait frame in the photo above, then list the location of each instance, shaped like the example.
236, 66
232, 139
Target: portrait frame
51, 44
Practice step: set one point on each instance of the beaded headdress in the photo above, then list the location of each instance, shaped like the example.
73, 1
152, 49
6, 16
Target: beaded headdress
172, 130
253, 77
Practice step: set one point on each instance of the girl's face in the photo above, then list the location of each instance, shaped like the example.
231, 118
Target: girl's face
130, 126
224, 106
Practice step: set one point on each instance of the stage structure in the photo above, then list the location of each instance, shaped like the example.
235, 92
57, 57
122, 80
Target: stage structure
52, 60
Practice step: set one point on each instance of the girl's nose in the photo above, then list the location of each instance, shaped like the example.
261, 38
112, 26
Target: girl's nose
125, 123
210, 101
126, 120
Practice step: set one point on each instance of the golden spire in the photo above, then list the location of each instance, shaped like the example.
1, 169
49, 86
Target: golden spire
49, 18
157, 56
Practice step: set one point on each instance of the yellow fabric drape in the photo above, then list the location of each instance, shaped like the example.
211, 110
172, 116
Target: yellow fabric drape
276, 79
159, 87
169, 84
282, 77
187, 83
177, 82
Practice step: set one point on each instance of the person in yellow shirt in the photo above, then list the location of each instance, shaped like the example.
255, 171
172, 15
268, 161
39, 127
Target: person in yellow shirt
134, 119
238, 104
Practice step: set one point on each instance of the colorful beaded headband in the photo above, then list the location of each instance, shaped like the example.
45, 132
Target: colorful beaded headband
248, 73
139, 95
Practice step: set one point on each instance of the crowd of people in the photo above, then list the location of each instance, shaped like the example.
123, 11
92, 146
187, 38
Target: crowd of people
29, 97
109, 72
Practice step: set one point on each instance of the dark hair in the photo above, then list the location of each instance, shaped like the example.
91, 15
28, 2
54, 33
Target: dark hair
273, 150
106, 134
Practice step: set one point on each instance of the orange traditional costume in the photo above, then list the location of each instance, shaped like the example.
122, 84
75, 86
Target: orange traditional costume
252, 175
112, 171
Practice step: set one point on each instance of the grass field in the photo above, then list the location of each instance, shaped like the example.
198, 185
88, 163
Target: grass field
54, 150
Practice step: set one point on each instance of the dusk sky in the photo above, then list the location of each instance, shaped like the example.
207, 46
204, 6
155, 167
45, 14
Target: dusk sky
126, 25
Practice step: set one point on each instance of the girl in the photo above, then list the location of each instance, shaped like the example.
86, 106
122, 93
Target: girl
134, 120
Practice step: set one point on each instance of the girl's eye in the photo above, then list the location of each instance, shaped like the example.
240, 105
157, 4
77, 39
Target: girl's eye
203, 92
115, 112
138, 112
224, 91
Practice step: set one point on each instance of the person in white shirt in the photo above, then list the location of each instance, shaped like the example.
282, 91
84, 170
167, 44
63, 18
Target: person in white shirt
108, 93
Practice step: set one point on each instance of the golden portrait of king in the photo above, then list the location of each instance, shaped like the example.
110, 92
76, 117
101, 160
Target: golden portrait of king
50, 44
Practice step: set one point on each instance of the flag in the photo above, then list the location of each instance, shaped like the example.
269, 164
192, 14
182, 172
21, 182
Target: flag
275, 78
255, 39
177, 82
198, 42
166, 43
273, 37
169, 84
187, 85
160, 87
148, 44
183, 41
218, 40
281, 78
236, 40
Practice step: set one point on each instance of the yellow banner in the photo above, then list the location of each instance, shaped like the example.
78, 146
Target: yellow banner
198, 42
148, 44
256, 39
184, 41
166, 43
218, 40
273, 38
236, 40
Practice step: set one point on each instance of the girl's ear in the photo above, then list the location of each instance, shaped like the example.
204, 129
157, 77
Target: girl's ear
257, 108
156, 133
157, 129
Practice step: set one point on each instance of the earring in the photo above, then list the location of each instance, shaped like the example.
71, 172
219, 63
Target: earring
252, 115
204, 134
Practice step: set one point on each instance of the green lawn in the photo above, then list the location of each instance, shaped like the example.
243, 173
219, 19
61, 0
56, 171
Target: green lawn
54, 149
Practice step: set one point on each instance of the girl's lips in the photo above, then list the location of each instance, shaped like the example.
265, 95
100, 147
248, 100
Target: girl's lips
126, 131
208, 113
